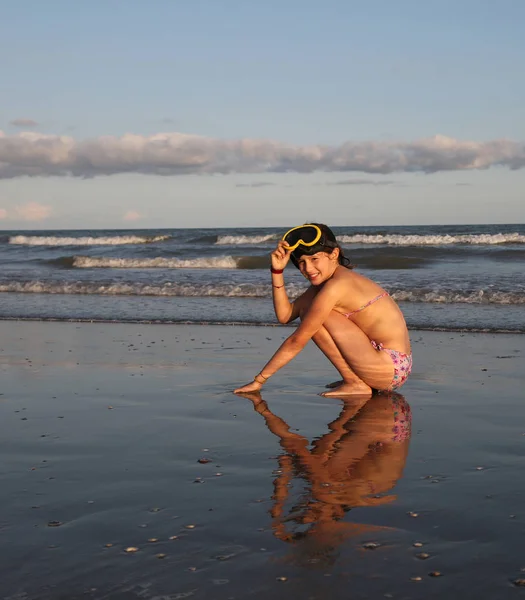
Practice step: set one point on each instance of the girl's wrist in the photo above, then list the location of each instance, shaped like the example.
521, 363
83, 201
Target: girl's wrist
276, 271
260, 379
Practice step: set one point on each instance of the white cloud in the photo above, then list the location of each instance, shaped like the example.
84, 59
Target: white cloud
23, 123
32, 211
34, 154
132, 215
256, 184
361, 182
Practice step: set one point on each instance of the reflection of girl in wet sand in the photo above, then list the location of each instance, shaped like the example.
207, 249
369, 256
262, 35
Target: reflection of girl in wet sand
354, 464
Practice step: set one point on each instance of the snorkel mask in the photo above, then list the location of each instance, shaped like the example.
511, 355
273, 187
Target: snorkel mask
304, 235
306, 239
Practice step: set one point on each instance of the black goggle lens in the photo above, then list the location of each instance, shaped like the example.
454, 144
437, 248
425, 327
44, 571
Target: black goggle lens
305, 234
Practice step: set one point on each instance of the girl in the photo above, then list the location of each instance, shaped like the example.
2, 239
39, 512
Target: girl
353, 321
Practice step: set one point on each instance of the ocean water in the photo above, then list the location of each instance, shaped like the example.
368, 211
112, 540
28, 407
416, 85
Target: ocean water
466, 277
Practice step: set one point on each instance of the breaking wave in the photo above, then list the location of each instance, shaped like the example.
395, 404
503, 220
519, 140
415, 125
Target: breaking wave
37, 240
459, 297
243, 240
141, 289
248, 290
482, 239
434, 240
216, 262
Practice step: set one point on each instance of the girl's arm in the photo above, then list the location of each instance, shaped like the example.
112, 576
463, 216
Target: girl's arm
285, 311
320, 308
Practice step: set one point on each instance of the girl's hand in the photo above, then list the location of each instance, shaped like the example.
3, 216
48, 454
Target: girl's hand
280, 256
250, 388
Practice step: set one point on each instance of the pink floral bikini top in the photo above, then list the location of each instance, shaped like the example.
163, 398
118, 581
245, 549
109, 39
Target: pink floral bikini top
366, 305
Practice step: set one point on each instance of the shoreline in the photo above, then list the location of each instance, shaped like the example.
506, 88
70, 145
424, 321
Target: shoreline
240, 324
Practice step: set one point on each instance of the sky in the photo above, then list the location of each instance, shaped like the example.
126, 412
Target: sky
228, 113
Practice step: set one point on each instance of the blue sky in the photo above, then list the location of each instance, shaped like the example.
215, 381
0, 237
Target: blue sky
298, 74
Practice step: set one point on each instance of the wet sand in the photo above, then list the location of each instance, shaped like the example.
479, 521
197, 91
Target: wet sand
102, 428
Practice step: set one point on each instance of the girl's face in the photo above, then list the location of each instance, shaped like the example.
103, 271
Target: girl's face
319, 267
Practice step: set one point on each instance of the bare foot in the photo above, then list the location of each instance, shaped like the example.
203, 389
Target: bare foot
334, 384
350, 389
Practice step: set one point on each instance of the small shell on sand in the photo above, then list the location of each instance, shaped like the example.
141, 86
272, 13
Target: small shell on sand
203, 461
108, 545
173, 537
371, 545
435, 574
416, 578
519, 582
160, 555
423, 555
282, 578
152, 540
413, 514
417, 544
189, 526
131, 549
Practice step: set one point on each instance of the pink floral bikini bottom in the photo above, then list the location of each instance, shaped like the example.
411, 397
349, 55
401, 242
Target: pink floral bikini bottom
402, 365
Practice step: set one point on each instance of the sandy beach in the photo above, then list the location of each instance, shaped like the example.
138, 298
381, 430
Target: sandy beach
130, 470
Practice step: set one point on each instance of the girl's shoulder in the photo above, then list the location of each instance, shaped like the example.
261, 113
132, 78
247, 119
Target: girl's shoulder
351, 284
341, 284
347, 277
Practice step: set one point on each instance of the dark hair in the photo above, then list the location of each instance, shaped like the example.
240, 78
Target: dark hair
327, 243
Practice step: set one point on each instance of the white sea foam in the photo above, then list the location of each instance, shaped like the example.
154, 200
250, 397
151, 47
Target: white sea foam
244, 240
392, 240
249, 291
217, 262
139, 289
37, 240
459, 297
434, 240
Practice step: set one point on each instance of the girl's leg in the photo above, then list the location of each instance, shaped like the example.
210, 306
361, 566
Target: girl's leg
349, 349
328, 347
